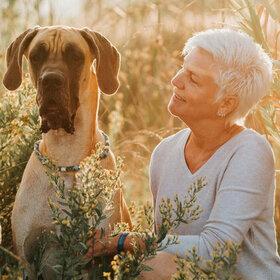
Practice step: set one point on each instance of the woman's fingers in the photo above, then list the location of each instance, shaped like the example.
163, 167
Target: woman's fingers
89, 254
95, 250
98, 247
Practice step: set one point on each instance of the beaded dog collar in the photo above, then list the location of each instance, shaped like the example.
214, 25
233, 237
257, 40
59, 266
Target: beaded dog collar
76, 166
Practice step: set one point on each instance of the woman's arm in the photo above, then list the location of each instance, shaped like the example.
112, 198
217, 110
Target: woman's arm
109, 245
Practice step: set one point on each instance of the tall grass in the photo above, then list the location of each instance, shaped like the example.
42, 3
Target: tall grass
261, 20
149, 36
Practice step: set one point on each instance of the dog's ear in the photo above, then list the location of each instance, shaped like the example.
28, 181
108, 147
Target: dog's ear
13, 76
107, 60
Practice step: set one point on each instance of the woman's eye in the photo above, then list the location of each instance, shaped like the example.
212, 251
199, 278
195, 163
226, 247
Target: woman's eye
192, 80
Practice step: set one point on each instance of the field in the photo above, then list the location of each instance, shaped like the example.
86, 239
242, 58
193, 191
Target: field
150, 36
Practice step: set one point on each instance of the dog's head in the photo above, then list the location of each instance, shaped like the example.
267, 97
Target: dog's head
59, 60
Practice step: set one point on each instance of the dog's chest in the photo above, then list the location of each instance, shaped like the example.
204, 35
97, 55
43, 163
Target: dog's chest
69, 180
31, 210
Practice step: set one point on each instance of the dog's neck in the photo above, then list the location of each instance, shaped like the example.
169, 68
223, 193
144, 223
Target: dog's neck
69, 149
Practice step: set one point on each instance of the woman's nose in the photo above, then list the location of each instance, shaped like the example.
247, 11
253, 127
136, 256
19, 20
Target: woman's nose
177, 81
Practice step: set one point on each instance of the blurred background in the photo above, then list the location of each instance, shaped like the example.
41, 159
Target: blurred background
150, 35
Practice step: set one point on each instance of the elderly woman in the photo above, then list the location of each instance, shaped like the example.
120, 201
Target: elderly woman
223, 76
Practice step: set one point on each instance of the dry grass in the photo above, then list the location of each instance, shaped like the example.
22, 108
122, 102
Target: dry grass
149, 36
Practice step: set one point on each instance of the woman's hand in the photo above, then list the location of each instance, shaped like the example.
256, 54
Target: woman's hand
105, 246
108, 245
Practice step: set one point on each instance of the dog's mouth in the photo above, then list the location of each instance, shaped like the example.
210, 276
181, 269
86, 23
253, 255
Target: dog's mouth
57, 100
54, 116
52, 108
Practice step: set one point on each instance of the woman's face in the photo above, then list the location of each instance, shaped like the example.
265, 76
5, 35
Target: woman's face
194, 88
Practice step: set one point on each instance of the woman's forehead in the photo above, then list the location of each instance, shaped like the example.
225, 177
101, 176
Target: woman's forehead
200, 62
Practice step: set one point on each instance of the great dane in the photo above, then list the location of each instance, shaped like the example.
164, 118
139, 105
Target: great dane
61, 67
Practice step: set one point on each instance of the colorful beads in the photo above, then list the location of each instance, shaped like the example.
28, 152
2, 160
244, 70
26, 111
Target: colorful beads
76, 166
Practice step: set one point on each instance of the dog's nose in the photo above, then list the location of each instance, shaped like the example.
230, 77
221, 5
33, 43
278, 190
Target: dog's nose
52, 80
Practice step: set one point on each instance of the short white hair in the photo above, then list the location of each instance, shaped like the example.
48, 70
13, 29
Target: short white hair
245, 69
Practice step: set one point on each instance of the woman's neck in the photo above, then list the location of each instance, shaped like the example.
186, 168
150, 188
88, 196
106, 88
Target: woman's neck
211, 138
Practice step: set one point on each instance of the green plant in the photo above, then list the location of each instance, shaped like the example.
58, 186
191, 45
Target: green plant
183, 212
79, 211
221, 267
130, 264
19, 128
12, 268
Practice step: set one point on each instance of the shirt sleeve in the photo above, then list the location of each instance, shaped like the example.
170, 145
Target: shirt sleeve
242, 195
153, 174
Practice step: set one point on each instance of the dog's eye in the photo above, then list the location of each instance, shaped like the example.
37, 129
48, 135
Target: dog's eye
76, 57
73, 54
35, 58
38, 54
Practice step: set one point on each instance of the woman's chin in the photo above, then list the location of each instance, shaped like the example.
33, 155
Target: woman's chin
172, 109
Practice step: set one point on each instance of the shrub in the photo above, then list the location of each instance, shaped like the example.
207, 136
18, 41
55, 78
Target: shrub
78, 211
19, 129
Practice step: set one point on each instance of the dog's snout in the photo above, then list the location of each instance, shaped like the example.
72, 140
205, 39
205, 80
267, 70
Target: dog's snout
52, 80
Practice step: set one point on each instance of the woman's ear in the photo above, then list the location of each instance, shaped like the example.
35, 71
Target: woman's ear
228, 105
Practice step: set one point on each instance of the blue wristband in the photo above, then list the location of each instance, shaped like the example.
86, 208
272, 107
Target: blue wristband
121, 242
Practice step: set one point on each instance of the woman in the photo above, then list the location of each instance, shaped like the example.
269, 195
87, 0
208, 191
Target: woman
223, 76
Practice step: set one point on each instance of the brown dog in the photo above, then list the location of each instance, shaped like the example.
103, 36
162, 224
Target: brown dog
60, 61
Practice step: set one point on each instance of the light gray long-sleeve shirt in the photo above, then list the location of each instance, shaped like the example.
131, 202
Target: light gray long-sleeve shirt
238, 201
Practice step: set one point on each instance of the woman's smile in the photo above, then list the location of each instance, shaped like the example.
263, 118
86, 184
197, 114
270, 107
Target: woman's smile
195, 89
178, 97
